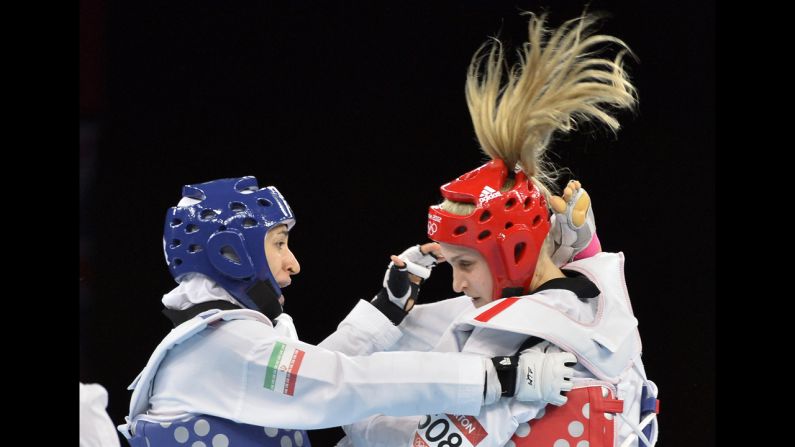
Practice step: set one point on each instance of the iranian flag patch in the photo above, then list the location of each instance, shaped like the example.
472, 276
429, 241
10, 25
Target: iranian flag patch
283, 368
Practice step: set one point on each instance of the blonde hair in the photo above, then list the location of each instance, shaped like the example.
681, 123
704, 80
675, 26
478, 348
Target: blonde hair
558, 83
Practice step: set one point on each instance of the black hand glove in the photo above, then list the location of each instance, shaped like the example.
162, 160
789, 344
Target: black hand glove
398, 295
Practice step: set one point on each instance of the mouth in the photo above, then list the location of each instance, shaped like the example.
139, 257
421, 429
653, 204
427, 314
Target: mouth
480, 301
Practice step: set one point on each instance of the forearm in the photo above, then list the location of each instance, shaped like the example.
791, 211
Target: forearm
332, 389
363, 331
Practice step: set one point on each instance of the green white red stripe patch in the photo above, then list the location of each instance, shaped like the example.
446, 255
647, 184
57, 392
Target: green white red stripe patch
282, 369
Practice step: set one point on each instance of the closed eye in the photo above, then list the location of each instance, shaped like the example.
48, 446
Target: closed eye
465, 265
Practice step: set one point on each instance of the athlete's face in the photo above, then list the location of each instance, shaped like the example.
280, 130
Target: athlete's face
471, 273
281, 260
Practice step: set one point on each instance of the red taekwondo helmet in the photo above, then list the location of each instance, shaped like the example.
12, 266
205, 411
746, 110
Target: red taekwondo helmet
507, 228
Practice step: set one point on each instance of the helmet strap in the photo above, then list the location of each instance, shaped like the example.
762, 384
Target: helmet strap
264, 297
512, 291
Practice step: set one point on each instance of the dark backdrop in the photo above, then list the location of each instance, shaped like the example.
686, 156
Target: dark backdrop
356, 112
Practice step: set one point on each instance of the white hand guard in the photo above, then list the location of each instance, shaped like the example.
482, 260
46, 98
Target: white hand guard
543, 376
417, 262
568, 238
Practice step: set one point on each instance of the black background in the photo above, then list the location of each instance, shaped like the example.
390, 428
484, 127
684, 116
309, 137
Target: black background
356, 112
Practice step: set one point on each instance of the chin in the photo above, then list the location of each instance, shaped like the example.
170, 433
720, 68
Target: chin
281, 300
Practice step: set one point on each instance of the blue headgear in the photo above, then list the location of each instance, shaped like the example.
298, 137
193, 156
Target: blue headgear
222, 236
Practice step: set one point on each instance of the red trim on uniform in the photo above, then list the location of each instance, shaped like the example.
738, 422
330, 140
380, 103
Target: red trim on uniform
418, 441
601, 430
657, 407
489, 314
611, 405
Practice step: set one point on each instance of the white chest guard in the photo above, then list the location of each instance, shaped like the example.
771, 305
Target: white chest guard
606, 346
142, 385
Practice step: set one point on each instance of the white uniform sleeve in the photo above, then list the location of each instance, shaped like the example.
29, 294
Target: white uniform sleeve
421, 329
426, 323
363, 331
241, 370
96, 428
366, 330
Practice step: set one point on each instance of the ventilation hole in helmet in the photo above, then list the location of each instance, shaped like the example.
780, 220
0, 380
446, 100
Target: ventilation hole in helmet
195, 248
192, 228
528, 203
460, 230
177, 261
176, 222
486, 215
237, 207
518, 252
175, 243
484, 234
249, 222
230, 254
508, 225
207, 214
264, 202
222, 228
510, 203
536, 220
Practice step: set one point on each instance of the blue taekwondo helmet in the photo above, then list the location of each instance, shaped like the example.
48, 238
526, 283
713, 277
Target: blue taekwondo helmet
220, 233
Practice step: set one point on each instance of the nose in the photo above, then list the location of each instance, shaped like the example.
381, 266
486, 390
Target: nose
291, 263
459, 281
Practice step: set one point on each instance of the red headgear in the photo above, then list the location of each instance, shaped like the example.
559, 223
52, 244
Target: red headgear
507, 228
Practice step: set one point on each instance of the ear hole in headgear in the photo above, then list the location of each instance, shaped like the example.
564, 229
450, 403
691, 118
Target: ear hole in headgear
264, 202
177, 261
249, 222
528, 202
195, 248
175, 243
176, 222
508, 225
207, 214
518, 252
536, 220
510, 203
230, 254
484, 234
485, 215
237, 207
191, 228
461, 229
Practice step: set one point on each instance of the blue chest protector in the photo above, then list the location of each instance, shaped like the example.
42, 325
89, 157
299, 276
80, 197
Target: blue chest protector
211, 431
